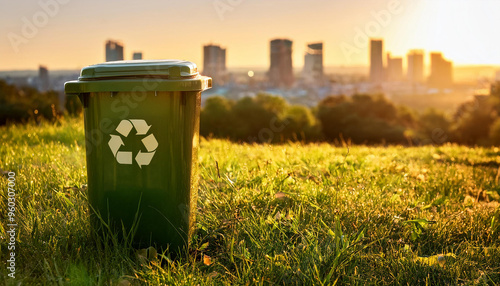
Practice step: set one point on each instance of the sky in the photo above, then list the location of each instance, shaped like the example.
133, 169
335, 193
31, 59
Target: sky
71, 34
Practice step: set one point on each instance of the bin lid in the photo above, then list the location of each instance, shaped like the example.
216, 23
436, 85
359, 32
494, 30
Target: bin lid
147, 75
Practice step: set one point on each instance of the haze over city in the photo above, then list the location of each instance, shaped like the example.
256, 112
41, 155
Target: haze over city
72, 35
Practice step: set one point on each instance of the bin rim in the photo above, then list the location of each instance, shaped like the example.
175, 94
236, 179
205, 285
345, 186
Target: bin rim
199, 83
139, 75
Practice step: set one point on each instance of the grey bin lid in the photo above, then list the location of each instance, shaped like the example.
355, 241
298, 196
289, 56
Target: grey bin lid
149, 75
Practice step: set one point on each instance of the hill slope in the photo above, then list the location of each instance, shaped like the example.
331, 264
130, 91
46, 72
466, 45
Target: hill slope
272, 214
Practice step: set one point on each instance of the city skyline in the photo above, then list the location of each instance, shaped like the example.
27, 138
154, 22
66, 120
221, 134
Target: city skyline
70, 35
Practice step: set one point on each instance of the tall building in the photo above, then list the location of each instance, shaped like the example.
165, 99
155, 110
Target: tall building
313, 63
441, 71
43, 79
415, 72
281, 69
114, 51
376, 61
394, 68
137, 56
214, 63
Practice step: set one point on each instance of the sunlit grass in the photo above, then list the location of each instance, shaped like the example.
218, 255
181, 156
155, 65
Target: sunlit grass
269, 214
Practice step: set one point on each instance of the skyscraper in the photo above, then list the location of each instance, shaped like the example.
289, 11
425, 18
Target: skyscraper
415, 72
313, 62
43, 79
114, 51
137, 56
394, 68
441, 71
281, 69
376, 61
214, 63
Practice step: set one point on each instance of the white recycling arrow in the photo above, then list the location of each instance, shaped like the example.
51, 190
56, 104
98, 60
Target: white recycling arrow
124, 128
150, 142
144, 159
140, 126
115, 143
124, 157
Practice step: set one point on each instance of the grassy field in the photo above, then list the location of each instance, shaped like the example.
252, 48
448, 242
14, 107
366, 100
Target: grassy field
288, 214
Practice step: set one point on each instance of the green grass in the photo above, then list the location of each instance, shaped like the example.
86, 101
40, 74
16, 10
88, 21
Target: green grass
288, 214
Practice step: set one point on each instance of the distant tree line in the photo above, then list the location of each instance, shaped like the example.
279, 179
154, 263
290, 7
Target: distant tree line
478, 121
22, 104
360, 119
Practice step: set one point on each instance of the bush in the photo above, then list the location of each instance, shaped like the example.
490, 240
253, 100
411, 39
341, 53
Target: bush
22, 104
495, 132
361, 118
300, 124
473, 122
73, 105
434, 127
216, 117
259, 119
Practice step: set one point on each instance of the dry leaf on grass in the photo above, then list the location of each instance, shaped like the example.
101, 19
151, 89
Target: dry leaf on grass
207, 260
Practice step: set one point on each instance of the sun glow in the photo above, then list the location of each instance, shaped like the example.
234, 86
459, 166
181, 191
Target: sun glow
463, 30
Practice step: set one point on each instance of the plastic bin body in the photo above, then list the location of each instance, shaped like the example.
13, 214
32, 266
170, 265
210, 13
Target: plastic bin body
142, 147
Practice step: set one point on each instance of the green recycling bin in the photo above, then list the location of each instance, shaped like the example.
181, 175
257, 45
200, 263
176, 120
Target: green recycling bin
141, 137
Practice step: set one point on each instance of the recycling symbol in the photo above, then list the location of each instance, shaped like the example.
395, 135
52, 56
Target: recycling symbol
125, 157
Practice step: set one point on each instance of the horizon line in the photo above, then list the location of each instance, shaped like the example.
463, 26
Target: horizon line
267, 67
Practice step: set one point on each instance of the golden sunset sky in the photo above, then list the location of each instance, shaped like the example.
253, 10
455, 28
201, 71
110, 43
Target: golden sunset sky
70, 34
